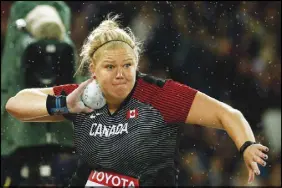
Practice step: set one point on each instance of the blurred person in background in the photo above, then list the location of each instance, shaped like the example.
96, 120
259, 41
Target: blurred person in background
38, 33
5, 11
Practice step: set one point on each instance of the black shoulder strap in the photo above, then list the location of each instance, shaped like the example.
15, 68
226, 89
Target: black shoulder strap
152, 79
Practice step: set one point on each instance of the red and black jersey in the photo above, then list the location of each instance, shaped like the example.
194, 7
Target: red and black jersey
140, 139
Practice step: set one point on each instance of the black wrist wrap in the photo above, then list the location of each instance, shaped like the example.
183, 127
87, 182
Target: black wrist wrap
56, 105
245, 145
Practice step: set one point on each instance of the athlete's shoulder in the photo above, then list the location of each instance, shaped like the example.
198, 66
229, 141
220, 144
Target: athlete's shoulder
147, 87
171, 98
150, 79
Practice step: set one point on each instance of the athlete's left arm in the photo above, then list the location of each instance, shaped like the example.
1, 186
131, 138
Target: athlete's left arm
208, 111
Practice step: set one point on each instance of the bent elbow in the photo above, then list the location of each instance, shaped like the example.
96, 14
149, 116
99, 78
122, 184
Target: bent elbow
227, 110
12, 109
228, 115
9, 106
235, 112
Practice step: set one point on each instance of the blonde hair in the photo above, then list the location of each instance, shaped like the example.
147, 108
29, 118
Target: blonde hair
108, 31
44, 22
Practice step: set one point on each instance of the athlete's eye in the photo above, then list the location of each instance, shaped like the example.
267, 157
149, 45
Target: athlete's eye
127, 65
109, 67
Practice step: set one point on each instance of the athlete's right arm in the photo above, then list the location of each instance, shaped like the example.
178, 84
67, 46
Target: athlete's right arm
29, 105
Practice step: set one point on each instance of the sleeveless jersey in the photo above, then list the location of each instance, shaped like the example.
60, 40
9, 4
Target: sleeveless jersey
140, 139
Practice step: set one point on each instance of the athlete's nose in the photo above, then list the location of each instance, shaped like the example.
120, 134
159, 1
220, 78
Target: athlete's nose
119, 74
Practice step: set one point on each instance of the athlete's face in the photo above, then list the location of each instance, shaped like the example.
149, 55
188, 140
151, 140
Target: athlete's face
115, 71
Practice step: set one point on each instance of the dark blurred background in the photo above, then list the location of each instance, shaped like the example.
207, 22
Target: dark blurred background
228, 50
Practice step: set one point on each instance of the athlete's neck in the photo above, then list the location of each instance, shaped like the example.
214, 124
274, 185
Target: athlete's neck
113, 106
112, 111
114, 103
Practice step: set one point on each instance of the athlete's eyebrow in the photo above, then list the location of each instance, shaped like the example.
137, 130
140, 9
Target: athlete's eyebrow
128, 59
108, 61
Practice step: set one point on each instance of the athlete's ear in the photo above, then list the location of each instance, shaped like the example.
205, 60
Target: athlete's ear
92, 68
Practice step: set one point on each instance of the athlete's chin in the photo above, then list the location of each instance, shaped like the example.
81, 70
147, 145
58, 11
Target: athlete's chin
120, 93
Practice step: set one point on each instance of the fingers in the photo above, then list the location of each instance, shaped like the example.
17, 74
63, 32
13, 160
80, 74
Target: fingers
251, 176
82, 86
256, 155
262, 155
263, 148
259, 160
255, 168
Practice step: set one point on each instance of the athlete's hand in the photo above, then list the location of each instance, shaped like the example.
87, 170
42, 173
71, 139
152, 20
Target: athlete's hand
74, 102
252, 155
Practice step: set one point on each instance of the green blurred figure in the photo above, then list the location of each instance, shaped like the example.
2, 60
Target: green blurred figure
38, 52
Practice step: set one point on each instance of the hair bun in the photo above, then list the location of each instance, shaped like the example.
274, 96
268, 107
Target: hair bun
110, 23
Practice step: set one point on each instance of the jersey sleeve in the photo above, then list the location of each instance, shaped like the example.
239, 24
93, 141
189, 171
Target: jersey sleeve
65, 90
174, 101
